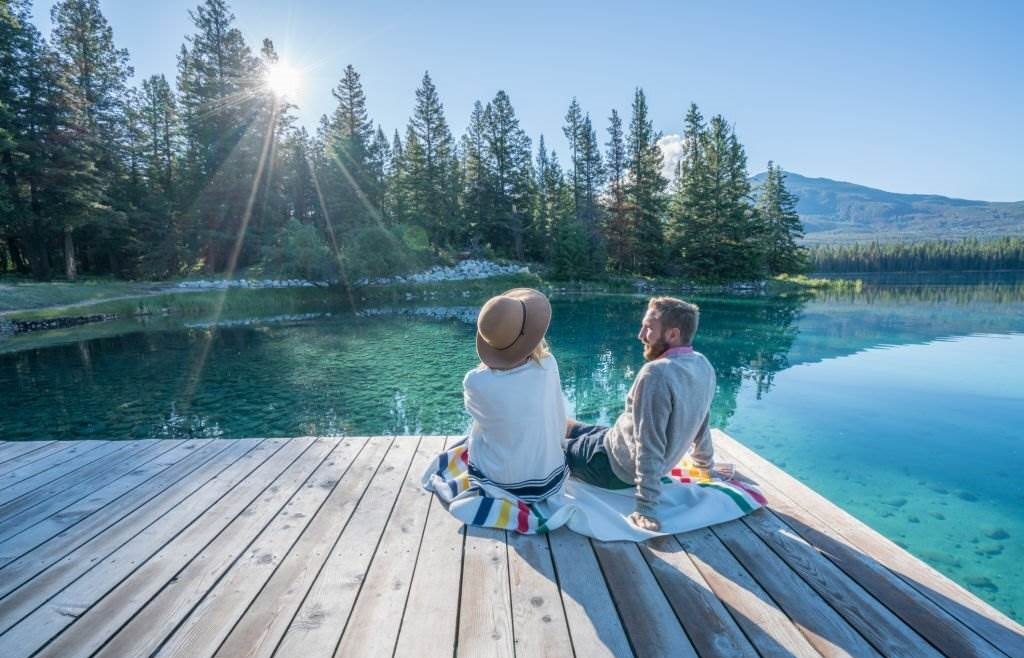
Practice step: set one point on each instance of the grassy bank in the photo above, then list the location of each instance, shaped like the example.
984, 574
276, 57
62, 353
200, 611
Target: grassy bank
31, 301
24, 294
46, 301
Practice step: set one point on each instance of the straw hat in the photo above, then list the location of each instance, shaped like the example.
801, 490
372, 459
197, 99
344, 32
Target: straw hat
511, 325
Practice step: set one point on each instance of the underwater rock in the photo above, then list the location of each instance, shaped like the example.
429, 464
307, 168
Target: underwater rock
981, 582
996, 533
967, 495
913, 519
938, 489
21, 327
938, 557
896, 502
988, 550
901, 545
937, 515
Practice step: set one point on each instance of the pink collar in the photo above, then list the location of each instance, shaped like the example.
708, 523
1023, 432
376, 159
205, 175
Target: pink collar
685, 349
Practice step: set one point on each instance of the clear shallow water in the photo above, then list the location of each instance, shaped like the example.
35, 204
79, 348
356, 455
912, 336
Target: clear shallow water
903, 405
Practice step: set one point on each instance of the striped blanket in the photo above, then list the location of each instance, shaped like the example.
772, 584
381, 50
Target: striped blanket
691, 498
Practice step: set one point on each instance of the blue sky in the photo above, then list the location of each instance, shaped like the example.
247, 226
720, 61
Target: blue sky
909, 97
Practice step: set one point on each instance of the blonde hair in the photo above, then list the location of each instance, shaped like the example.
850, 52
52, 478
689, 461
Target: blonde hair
541, 351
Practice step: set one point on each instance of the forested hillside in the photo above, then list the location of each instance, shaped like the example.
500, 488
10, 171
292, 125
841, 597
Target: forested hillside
837, 212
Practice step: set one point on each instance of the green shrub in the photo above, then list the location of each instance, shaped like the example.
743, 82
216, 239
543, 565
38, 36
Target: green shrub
300, 251
375, 251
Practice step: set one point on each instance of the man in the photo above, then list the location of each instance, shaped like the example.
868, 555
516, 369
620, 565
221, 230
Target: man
666, 415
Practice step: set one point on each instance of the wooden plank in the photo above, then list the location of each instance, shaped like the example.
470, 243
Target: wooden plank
594, 624
438, 570
923, 597
826, 630
652, 626
763, 623
263, 624
944, 631
69, 554
187, 523
37, 505
372, 628
709, 626
239, 558
122, 494
873, 620
71, 467
10, 450
538, 619
210, 621
36, 461
485, 605
317, 626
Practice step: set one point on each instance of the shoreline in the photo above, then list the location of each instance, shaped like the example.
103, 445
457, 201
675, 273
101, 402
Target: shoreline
461, 284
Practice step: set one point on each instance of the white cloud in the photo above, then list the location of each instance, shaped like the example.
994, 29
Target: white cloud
672, 152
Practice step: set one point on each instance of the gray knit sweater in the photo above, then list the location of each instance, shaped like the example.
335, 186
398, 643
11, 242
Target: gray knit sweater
666, 413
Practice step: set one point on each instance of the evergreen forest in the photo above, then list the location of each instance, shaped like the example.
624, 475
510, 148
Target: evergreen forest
208, 172
942, 255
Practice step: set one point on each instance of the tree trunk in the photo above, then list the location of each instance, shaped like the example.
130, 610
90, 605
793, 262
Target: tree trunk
208, 263
69, 255
39, 259
17, 256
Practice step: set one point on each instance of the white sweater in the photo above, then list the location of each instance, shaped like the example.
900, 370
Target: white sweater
518, 424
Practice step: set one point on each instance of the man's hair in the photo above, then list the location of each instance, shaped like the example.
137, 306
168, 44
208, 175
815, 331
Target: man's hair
677, 314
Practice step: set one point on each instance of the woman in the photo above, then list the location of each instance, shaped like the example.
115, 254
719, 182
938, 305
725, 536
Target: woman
515, 399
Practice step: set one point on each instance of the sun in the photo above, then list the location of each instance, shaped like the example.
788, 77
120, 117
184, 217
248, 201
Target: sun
283, 80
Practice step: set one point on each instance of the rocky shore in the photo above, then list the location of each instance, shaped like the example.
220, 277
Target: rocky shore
462, 271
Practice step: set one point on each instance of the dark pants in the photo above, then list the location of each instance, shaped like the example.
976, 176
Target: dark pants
587, 458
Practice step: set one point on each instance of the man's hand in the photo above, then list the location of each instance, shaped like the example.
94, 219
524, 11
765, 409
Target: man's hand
644, 522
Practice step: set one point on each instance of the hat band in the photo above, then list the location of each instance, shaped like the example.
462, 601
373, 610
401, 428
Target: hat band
522, 331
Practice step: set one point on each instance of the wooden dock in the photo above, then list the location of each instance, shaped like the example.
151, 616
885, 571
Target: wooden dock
315, 547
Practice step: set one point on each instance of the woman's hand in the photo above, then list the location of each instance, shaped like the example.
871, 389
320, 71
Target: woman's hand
644, 522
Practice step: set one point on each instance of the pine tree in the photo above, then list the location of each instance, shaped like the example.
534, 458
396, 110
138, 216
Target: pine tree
299, 188
39, 163
507, 150
353, 197
395, 198
431, 173
156, 221
93, 73
573, 131
478, 182
381, 162
645, 190
715, 232
739, 254
691, 231
782, 228
591, 179
560, 239
160, 124
224, 111
618, 229
586, 173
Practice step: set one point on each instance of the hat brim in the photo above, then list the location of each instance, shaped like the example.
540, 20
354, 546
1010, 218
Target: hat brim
538, 318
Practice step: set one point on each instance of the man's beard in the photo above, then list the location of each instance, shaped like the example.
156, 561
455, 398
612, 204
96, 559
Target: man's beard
655, 349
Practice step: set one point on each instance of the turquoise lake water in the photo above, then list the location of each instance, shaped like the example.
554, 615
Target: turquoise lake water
903, 404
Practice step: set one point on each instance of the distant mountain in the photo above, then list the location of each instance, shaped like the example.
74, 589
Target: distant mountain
834, 212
